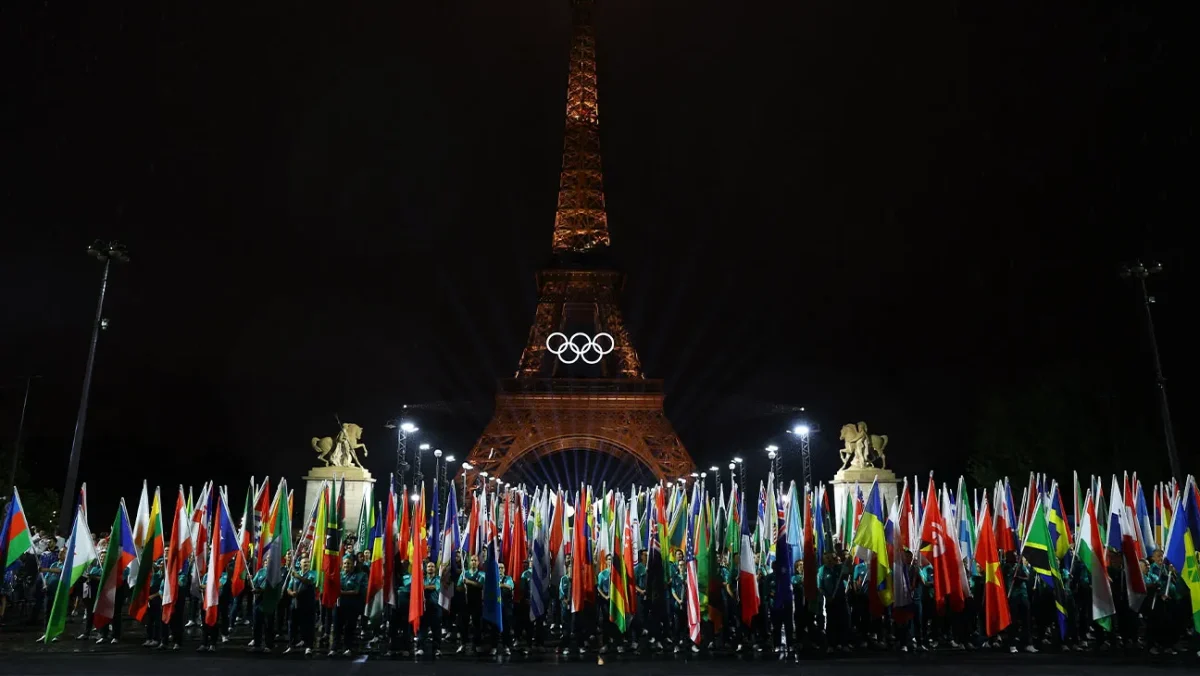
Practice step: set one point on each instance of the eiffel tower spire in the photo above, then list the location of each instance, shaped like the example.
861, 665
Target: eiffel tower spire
580, 223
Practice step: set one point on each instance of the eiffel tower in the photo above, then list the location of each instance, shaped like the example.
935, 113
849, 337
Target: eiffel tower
570, 391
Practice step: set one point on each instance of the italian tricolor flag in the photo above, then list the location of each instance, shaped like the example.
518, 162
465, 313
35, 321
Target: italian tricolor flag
81, 552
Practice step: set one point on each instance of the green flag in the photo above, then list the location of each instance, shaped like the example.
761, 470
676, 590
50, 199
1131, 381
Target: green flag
81, 552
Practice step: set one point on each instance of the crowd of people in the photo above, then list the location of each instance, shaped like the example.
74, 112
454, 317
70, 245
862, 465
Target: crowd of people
285, 605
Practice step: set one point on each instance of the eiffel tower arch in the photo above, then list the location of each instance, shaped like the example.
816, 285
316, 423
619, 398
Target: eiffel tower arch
559, 400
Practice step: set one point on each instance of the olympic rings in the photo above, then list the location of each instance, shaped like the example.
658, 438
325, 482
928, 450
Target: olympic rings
576, 350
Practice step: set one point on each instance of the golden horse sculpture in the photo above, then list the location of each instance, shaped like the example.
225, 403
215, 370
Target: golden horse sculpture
340, 452
862, 449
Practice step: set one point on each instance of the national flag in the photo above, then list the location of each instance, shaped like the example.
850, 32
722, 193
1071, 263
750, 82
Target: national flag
223, 550
15, 538
1056, 520
260, 535
747, 582
540, 569
241, 572
1122, 536
81, 552
141, 576
416, 599
871, 537
987, 557
1038, 550
278, 532
1182, 539
1093, 558
966, 527
120, 555
448, 552
177, 554
942, 548
141, 524
618, 589
317, 540
331, 547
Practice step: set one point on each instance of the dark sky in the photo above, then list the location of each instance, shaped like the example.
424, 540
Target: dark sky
880, 211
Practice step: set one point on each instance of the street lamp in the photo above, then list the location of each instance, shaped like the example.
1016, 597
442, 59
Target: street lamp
107, 252
1141, 272
466, 467
776, 460
437, 468
741, 472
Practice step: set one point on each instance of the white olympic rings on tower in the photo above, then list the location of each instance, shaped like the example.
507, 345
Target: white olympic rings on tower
571, 350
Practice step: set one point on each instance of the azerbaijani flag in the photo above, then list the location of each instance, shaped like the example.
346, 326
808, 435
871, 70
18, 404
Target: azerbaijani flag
120, 555
144, 571
81, 552
14, 534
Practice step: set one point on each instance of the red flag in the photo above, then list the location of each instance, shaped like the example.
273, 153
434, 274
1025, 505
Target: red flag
405, 527
987, 555
810, 552
946, 575
416, 599
177, 554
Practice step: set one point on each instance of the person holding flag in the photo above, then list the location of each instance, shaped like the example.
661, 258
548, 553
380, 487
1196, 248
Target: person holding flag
302, 595
350, 603
431, 621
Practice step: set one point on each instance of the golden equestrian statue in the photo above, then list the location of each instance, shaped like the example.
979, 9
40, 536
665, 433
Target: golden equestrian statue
340, 452
862, 449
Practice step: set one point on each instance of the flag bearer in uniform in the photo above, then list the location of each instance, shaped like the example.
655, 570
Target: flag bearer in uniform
564, 604
182, 591
1018, 577
471, 582
678, 605
91, 582
349, 608
431, 621
506, 610
264, 622
154, 626
603, 592
302, 593
399, 629
833, 576
535, 630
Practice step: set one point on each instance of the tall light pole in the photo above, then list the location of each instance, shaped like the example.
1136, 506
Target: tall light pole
12, 475
419, 473
802, 433
776, 459
1140, 272
741, 473
107, 252
716, 472
405, 429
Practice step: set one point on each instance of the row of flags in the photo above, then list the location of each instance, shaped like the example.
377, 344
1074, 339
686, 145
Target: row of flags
960, 533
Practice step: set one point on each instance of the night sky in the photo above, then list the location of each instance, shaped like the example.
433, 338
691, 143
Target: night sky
878, 211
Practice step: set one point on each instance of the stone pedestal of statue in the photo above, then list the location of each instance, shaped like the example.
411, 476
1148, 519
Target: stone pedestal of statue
845, 481
358, 485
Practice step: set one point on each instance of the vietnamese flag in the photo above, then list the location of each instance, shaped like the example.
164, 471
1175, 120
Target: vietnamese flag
987, 555
416, 599
121, 553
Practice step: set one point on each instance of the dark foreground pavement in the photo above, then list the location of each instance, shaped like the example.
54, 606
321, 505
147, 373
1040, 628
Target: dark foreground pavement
231, 662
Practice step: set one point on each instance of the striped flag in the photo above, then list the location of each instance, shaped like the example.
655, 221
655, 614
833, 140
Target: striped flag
120, 555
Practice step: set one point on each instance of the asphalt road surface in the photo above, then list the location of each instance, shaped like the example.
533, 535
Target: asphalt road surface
230, 662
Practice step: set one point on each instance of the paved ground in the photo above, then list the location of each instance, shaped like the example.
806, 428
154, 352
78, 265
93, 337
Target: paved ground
230, 661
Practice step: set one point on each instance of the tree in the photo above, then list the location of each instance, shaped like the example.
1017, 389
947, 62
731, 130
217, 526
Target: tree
41, 504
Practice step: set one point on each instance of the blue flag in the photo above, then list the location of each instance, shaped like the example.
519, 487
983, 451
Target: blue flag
492, 610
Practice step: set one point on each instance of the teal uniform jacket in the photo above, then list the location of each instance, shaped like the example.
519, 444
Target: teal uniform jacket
798, 589
433, 591
564, 589
260, 581
603, 582
476, 576
1018, 589
54, 574
678, 584
639, 575
506, 590
403, 591
831, 580
156, 582
94, 572
354, 588
527, 585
